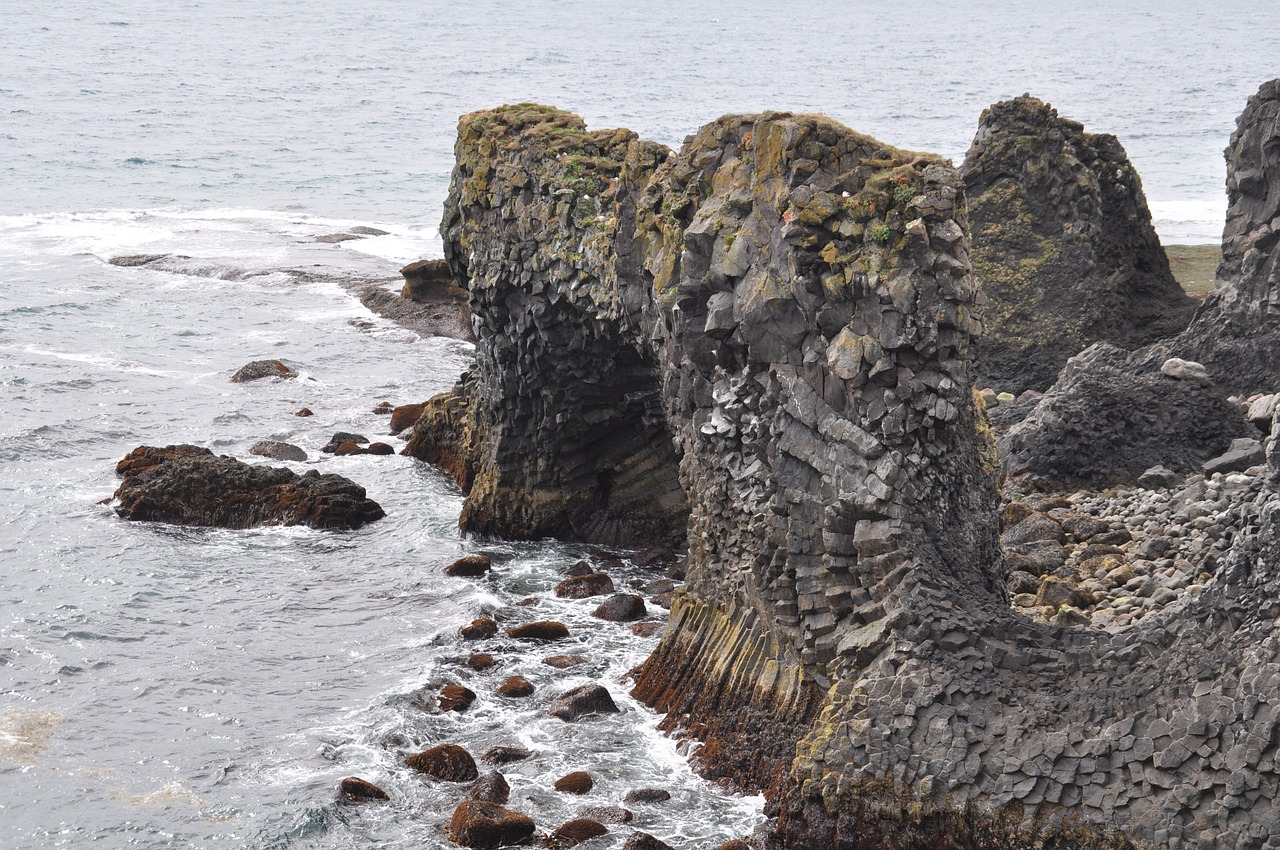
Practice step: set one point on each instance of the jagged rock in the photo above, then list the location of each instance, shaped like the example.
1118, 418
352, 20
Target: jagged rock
259, 369
1262, 411
1244, 453
541, 630
490, 787
581, 701
516, 687
186, 485
505, 755
621, 608
1063, 245
585, 586
1106, 423
470, 566
575, 832
447, 762
356, 790
558, 429
277, 450
485, 826
645, 841
578, 782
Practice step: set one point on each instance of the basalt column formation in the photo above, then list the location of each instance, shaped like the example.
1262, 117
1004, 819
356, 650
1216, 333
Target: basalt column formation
783, 315
558, 429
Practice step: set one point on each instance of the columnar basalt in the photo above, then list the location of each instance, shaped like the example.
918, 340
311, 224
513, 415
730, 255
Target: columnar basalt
802, 302
1063, 245
1236, 334
558, 430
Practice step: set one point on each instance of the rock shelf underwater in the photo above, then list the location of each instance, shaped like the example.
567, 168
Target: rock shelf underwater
767, 340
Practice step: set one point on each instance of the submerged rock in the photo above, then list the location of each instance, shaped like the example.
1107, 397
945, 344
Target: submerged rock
277, 450
356, 790
578, 782
1063, 245
187, 485
259, 369
645, 841
541, 630
471, 566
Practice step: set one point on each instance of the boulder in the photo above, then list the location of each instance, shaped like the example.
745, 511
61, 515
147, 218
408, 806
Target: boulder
479, 628
1185, 370
455, 698
341, 437
356, 790
304, 411
259, 369
480, 661
1159, 478
582, 701
446, 762
580, 568
621, 608
470, 566
1062, 242
186, 485
516, 687
486, 826
277, 450
654, 556
585, 586
541, 630
575, 832
1262, 411
578, 782
609, 814
1244, 453
405, 415
490, 787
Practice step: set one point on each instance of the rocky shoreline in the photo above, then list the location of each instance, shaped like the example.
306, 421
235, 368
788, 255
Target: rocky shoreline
869, 632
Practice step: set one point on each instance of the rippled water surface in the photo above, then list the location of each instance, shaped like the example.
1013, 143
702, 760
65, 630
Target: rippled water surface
168, 687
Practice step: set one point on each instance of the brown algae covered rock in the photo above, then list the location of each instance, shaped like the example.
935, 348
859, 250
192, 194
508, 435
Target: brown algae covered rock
187, 485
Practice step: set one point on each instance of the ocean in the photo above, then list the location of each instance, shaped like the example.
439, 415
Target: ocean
177, 687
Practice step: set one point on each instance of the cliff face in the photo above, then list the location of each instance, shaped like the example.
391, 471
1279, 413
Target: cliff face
1236, 333
790, 305
558, 429
1063, 245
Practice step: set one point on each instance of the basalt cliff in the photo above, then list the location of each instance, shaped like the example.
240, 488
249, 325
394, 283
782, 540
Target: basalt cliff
763, 344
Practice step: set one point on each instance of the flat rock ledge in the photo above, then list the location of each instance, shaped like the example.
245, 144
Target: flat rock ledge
188, 485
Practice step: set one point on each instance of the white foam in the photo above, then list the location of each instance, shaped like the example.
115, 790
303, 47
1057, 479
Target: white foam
1189, 222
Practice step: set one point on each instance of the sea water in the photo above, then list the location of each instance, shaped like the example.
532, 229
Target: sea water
178, 687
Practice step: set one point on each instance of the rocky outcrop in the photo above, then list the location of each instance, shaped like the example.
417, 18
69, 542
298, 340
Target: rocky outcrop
187, 485
1105, 422
1062, 243
801, 298
558, 429
1236, 333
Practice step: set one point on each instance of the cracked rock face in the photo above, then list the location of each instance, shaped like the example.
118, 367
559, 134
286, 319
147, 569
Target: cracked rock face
1062, 243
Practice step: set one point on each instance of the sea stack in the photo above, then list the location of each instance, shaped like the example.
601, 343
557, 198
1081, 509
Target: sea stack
1062, 244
